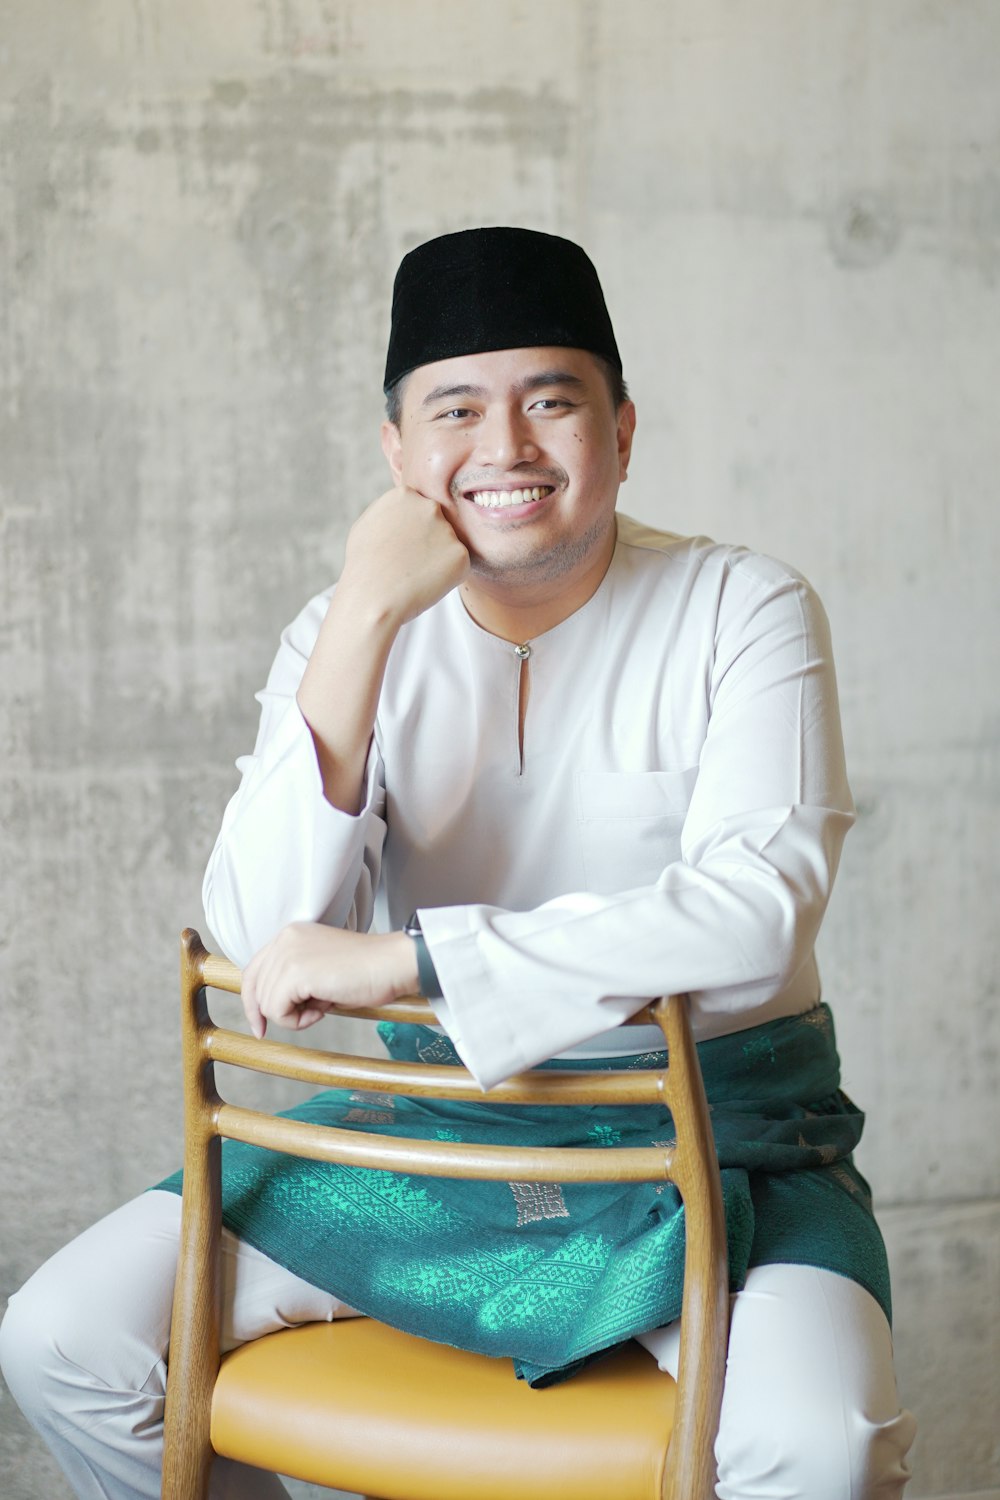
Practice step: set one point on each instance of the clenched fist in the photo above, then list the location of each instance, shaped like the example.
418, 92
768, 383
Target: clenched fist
403, 555
309, 970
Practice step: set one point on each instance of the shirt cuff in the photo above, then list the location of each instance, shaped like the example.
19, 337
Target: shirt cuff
470, 1009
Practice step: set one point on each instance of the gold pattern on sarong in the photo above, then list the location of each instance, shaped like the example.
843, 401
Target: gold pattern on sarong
846, 1180
538, 1200
827, 1154
438, 1050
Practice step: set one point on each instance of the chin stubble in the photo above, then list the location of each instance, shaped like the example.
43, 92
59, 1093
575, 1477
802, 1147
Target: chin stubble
547, 566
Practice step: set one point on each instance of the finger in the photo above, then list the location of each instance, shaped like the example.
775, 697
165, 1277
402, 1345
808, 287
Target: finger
249, 996
308, 1015
279, 996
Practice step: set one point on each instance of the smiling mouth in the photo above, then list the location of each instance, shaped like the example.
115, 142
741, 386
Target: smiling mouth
498, 499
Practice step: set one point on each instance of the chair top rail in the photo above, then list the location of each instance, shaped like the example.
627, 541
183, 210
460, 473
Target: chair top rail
220, 973
445, 1158
426, 1080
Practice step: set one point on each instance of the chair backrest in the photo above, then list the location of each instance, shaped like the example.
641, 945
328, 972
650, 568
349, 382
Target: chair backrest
690, 1164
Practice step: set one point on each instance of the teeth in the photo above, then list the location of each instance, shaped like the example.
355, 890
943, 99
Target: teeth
491, 499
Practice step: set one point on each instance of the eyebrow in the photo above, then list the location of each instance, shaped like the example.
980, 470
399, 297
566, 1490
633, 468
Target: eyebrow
523, 387
445, 392
549, 377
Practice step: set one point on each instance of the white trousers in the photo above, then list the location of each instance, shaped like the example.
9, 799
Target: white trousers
810, 1409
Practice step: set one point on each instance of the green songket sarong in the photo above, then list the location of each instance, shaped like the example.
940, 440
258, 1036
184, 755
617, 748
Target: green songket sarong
548, 1275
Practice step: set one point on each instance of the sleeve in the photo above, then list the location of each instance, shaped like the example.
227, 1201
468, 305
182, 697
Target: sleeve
734, 920
284, 853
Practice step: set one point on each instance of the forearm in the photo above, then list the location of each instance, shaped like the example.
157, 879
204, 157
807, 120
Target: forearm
284, 853
339, 692
302, 838
736, 932
402, 556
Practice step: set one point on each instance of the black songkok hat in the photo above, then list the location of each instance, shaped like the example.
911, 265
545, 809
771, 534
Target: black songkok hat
483, 289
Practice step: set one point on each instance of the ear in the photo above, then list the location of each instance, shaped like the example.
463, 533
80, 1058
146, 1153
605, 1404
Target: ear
626, 432
392, 447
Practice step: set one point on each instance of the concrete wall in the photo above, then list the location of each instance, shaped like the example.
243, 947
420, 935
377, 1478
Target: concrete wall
795, 207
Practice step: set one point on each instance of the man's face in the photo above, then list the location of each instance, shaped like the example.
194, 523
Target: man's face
525, 449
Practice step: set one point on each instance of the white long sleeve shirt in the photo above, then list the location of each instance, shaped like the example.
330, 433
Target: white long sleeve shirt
674, 823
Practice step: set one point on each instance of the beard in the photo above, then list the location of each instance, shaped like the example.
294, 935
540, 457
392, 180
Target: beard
546, 564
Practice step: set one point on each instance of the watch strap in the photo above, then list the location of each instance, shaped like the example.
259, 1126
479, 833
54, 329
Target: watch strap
430, 986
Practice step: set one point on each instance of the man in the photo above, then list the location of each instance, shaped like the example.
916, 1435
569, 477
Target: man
568, 764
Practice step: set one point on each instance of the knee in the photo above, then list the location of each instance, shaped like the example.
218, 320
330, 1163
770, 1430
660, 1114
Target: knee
810, 1404
29, 1348
54, 1341
86, 1337
813, 1450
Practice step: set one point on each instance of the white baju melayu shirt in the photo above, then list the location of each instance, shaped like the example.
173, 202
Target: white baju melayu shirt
673, 825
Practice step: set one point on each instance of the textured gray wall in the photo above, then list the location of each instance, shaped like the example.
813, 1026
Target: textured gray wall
795, 207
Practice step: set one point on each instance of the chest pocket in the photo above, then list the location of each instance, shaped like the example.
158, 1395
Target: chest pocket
630, 824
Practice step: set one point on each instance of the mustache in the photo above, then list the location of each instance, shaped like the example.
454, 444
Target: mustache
522, 478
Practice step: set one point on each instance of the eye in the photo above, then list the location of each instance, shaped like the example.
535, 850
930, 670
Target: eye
550, 403
454, 414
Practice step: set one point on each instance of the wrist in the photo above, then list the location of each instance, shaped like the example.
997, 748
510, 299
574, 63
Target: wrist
361, 606
401, 952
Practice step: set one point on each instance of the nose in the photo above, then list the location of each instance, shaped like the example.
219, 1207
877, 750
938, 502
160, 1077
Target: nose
504, 438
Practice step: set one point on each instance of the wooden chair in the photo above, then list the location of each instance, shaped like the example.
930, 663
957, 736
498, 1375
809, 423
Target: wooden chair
356, 1405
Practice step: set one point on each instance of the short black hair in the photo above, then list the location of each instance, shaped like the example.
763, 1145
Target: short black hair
616, 386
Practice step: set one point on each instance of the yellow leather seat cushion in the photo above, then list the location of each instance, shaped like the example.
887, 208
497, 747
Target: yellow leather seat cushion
360, 1406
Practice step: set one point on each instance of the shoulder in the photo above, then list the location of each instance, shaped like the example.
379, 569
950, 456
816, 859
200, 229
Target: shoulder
712, 597
645, 551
